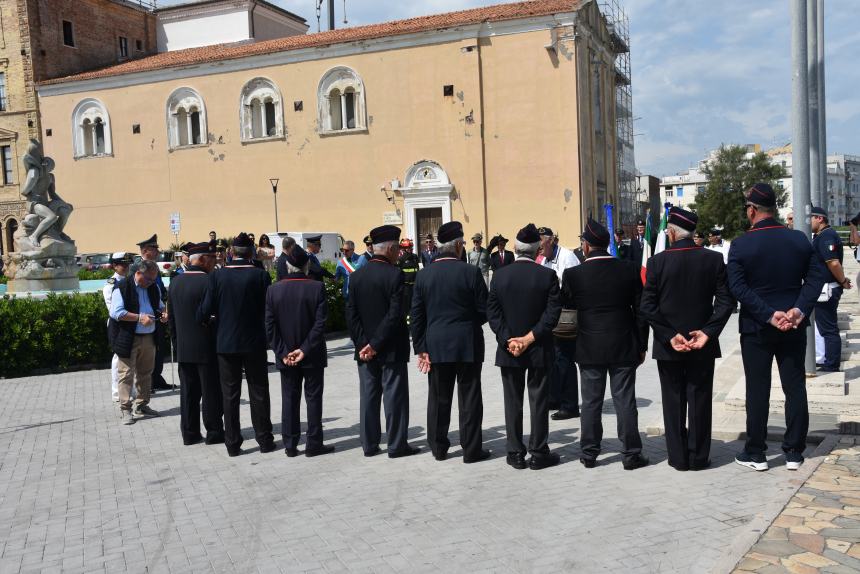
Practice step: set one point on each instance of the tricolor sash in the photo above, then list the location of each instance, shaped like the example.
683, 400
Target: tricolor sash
347, 264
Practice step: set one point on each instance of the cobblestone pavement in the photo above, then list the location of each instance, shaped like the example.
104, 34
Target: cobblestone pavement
81, 493
819, 530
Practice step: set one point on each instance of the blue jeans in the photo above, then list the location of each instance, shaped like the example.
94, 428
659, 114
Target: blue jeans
564, 384
826, 321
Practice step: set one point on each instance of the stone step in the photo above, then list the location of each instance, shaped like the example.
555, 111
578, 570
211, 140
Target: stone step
827, 393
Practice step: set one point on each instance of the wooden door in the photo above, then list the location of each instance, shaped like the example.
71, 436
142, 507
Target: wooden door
428, 220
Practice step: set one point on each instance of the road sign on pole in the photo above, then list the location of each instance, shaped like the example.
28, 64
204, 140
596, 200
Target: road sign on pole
175, 224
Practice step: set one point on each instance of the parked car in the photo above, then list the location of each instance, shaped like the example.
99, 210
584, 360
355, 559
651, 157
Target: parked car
93, 261
165, 261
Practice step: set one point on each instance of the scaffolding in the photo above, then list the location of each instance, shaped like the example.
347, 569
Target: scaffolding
619, 31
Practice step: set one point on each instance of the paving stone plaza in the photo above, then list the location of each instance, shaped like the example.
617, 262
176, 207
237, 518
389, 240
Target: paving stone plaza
80, 493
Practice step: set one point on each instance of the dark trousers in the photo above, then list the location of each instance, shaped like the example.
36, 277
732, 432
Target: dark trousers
291, 402
826, 321
440, 395
200, 381
514, 382
157, 377
758, 351
622, 385
256, 373
387, 383
563, 379
687, 389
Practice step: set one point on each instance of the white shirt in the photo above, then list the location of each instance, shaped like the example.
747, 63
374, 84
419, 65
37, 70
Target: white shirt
564, 259
107, 290
722, 247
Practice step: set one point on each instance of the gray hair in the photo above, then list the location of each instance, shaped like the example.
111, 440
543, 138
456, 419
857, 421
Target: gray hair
303, 269
287, 243
766, 209
680, 232
381, 248
145, 266
526, 249
242, 252
195, 258
450, 246
349, 244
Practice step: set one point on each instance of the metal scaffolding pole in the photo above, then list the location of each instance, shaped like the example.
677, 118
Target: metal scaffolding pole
331, 14
822, 106
800, 139
816, 194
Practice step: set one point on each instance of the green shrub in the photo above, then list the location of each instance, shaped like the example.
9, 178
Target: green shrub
3, 279
55, 333
85, 275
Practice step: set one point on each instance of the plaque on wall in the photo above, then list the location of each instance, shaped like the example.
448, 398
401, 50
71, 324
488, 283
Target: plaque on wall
392, 218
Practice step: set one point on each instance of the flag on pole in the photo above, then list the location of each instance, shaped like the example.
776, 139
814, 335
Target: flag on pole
646, 247
610, 222
661, 233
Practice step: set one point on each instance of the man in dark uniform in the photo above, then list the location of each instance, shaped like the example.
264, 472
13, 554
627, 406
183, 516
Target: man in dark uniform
828, 246
501, 256
195, 349
523, 309
236, 297
687, 301
620, 248
637, 244
295, 326
449, 308
317, 272
772, 272
612, 339
149, 251
368, 251
281, 262
408, 263
377, 327
429, 253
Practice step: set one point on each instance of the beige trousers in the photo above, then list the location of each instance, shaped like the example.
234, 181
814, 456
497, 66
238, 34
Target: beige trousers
137, 369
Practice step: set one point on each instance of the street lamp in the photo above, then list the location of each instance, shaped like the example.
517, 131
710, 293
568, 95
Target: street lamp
274, 181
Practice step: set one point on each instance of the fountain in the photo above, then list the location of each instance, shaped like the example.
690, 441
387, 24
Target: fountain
44, 256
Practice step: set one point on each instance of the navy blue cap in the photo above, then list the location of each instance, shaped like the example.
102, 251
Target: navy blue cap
818, 211
684, 219
242, 240
528, 234
545, 231
314, 239
761, 194
384, 233
297, 257
450, 231
595, 234
198, 248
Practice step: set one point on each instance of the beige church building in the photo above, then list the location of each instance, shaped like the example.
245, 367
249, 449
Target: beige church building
495, 117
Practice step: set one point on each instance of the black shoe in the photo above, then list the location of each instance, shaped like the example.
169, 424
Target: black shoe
319, 451
517, 460
700, 466
234, 451
441, 456
541, 461
829, 369
215, 438
161, 386
636, 461
588, 462
680, 467
291, 452
408, 451
267, 447
757, 462
563, 415
373, 452
483, 455
192, 440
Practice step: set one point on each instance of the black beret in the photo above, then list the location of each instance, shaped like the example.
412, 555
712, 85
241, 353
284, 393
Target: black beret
528, 234
314, 239
384, 233
684, 219
545, 231
151, 242
242, 240
761, 194
595, 234
818, 211
450, 231
297, 257
198, 248
368, 240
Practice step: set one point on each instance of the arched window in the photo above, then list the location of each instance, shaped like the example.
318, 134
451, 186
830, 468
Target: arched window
91, 129
186, 119
261, 110
11, 228
341, 102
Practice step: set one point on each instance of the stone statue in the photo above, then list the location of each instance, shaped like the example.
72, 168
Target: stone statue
44, 256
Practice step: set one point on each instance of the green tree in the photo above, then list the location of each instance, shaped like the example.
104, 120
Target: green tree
730, 174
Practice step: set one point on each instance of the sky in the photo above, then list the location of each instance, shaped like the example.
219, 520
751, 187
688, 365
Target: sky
705, 72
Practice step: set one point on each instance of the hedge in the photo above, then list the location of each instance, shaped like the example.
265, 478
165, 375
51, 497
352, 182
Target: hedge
65, 331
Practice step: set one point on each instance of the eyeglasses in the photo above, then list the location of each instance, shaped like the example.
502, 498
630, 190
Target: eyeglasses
746, 205
347, 250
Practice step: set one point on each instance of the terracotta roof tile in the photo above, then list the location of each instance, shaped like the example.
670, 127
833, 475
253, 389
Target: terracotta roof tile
221, 52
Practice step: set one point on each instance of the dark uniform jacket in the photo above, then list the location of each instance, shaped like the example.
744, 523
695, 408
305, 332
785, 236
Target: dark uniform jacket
449, 305
772, 268
237, 298
686, 290
194, 341
524, 297
408, 262
496, 259
375, 313
281, 267
828, 245
295, 319
623, 251
635, 249
316, 271
606, 292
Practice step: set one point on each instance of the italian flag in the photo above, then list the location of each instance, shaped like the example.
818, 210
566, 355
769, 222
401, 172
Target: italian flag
646, 249
661, 233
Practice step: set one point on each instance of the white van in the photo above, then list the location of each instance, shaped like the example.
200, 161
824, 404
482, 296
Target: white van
329, 249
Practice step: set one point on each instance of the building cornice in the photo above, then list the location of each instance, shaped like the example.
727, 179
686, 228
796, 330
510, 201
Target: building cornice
341, 50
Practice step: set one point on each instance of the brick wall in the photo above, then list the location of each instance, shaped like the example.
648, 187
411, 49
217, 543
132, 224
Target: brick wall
97, 25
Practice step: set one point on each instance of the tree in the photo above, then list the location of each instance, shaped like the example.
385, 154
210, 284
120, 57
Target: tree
730, 174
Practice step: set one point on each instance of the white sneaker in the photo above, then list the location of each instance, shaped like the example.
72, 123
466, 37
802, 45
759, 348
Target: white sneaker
755, 462
125, 417
793, 461
145, 411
